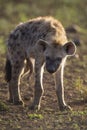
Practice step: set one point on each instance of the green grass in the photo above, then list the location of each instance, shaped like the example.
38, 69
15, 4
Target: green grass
35, 116
3, 106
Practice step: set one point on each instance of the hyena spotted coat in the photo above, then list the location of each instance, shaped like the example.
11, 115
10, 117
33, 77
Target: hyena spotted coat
44, 40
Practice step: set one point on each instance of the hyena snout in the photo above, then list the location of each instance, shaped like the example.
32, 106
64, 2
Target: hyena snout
52, 64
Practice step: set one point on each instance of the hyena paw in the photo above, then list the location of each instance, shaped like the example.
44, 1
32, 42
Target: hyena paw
19, 102
10, 100
34, 107
65, 108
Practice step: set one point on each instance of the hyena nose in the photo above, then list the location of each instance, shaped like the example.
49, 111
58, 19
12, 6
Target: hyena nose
51, 69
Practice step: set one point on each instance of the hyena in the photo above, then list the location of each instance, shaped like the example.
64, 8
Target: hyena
44, 40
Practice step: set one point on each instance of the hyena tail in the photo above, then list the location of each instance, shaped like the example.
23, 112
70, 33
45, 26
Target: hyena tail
8, 69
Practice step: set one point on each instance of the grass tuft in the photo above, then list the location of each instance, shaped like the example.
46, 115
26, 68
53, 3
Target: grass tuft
79, 84
3, 107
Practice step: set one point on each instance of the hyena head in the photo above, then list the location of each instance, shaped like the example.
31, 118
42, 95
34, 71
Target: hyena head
54, 54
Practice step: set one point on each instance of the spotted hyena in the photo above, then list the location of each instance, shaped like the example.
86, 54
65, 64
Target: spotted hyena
44, 40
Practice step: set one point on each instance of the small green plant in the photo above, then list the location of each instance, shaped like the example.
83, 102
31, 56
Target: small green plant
2, 45
35, 116
3, 107
81, 87
76, 126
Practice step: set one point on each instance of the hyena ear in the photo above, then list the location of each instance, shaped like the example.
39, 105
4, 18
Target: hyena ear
42, 44
70, 48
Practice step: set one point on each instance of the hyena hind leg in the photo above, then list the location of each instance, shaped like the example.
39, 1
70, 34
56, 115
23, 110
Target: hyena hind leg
28, 69
14, 90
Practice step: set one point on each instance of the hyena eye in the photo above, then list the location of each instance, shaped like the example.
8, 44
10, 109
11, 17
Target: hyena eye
59, 59
47, 58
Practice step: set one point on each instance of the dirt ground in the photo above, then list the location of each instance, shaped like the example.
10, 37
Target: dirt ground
49, 117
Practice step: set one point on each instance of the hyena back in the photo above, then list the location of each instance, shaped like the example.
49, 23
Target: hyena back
44, 40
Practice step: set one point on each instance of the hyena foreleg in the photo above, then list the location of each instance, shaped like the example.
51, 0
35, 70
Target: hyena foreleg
39, 69
60, 88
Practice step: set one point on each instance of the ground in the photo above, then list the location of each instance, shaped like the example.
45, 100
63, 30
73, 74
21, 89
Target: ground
49, 117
